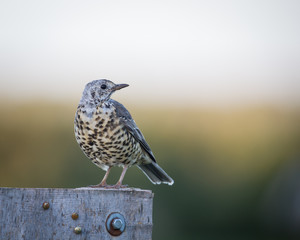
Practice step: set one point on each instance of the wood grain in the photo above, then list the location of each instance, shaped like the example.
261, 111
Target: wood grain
22, 215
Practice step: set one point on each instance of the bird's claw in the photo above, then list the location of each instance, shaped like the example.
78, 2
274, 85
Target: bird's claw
106, 186
118, 186
99, 186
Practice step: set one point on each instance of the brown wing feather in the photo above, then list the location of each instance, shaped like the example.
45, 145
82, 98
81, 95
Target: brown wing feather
131, 127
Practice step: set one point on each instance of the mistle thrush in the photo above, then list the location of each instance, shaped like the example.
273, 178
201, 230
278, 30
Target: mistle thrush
107, 134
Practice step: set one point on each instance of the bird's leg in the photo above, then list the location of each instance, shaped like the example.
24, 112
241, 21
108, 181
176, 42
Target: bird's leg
119, 183
103, 182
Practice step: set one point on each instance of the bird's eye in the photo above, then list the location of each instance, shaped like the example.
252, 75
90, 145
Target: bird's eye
103, 86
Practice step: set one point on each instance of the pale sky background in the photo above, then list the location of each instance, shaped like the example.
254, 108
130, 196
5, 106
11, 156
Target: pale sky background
179, 52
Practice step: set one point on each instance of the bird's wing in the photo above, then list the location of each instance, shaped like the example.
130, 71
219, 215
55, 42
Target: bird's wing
131, 127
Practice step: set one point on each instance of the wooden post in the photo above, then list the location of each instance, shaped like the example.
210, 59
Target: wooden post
43, 213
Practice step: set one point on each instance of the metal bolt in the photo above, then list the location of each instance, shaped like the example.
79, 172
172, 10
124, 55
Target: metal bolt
75, 216
46, 205
77, 230
117, 223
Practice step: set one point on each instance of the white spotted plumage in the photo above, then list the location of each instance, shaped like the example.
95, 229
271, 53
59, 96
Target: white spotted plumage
108, 135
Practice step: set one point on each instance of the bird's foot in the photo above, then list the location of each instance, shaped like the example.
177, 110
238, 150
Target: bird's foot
106, 186
118, 186
101, 185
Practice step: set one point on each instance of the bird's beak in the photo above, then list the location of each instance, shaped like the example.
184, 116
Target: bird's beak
119, 86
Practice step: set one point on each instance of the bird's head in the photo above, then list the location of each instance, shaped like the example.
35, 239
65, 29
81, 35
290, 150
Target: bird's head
99, 91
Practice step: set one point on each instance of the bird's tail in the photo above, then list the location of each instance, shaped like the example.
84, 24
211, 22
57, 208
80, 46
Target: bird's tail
156, 174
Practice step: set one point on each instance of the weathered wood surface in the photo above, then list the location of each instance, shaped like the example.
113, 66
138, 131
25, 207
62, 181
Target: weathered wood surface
22, 215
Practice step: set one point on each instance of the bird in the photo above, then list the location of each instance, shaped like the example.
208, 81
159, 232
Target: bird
109, 137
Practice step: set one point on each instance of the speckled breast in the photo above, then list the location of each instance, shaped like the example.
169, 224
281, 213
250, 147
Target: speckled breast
104, 140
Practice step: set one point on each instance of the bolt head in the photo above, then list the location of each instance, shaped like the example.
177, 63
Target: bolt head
75, 216
77, 230
117, 223
46, 205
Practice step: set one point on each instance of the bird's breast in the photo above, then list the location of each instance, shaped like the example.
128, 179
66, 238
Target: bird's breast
102, 137
101, 125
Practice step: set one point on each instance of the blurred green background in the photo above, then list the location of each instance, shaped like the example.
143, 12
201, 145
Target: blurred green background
214, 87
224, 163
